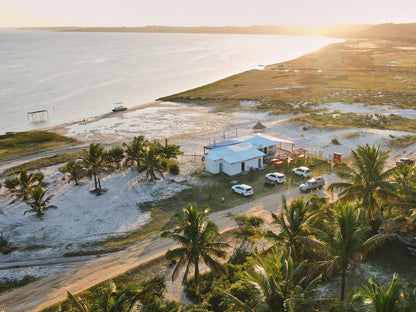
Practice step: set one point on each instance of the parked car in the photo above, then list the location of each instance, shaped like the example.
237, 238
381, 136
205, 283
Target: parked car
242, 189
303, 172
312, 184
275, 177
405, 161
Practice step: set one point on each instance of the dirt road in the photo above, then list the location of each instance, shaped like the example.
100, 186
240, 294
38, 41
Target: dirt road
50, 290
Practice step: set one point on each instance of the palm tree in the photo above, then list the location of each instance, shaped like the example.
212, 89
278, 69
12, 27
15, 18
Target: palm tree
23, 183
347, 242
152, 162
127, 299
296, 222
366, 179
404, 176
280, 283
170, 151
38, 202
195, 233
134, 150
94, 163
75, 169
375, 298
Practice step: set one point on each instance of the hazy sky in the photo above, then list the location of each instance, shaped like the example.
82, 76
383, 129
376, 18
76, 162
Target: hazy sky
15, 13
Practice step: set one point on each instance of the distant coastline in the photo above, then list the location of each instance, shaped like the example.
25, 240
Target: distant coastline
338, 31
388, 31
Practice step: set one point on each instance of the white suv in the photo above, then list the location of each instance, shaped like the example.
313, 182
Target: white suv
303, 172
242, 189
276, 177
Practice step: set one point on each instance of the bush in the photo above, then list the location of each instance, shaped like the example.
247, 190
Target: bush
335, 141
174, 169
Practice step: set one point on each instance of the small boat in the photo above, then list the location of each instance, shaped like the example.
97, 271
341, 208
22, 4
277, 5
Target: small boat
119, 109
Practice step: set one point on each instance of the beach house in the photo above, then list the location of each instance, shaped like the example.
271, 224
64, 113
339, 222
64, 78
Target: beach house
241, 154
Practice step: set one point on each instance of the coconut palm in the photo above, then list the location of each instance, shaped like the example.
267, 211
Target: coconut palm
375, 298
23, 183
347, 242
75, 169
296, 222
195, 233
112, 299
405, 178
152, 162
170, 151
38, 202
134, 151
281, 285
94, 163
366, 179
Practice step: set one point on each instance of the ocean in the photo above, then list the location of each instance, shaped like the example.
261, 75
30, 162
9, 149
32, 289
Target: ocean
78, 75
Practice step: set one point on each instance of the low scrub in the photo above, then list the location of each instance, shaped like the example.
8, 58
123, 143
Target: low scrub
31, 142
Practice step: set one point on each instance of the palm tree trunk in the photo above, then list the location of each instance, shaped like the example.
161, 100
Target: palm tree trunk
197, 280
95, 181
343, 276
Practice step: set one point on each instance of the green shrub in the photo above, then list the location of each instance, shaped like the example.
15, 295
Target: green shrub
335, 141
174, 169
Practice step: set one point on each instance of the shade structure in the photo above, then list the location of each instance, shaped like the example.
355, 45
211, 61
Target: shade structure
259, 126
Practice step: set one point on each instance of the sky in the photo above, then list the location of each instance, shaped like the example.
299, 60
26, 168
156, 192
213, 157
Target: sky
29, 13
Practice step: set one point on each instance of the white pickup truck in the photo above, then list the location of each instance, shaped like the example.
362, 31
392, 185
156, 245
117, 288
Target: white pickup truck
312, 184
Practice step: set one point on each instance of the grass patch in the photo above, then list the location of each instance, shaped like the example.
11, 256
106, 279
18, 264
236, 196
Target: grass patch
354, 120
9, 284
31, 142
42, 162
402, 141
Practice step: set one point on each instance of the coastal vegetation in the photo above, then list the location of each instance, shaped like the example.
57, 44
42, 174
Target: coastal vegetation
195, 234
354, 120
28, 187
378, 73
319, 243
32, 142
151, 157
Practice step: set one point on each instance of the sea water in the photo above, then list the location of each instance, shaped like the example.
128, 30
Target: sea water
77, 75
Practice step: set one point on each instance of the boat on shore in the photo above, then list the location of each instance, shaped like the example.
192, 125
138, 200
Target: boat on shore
119, 108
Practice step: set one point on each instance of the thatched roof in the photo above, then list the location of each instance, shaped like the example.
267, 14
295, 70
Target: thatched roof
259, 126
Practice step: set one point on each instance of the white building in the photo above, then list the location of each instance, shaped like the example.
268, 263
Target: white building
240, 154
234, 159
